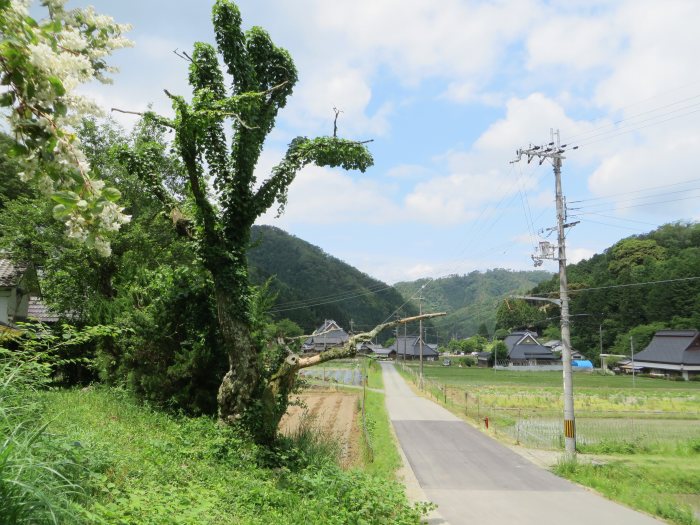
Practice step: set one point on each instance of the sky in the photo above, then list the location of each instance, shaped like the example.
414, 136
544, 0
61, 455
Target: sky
448, 91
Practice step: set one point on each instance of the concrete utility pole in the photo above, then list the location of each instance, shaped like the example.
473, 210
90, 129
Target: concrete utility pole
554, 151
420, 338
632, 350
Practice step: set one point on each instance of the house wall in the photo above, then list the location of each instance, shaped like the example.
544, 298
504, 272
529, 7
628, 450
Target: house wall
4, 304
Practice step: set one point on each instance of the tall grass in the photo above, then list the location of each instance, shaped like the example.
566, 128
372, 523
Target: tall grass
39, 474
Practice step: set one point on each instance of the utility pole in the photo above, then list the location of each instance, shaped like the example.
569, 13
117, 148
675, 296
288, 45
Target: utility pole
632, 349
554, 151
420, 338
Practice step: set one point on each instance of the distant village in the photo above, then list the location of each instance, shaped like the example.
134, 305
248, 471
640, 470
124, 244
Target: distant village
671, 353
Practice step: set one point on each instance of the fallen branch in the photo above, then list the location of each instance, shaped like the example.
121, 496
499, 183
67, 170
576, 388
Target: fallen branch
294, 363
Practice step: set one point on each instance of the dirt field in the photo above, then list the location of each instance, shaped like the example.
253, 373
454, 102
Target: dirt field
334, 413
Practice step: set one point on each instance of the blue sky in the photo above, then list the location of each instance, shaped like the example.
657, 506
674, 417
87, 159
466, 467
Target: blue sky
449, 90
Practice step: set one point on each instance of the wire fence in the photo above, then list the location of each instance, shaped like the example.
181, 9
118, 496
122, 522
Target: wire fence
543, 427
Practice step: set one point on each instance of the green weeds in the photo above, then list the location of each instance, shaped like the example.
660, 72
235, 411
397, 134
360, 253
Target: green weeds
157, 468
41, 475
650, 484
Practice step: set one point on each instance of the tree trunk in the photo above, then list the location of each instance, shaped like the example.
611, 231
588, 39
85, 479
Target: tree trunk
241, 380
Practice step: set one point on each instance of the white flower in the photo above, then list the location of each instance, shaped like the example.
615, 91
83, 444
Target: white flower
103, 247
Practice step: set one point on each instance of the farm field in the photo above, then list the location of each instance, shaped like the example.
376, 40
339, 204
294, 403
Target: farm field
645, 437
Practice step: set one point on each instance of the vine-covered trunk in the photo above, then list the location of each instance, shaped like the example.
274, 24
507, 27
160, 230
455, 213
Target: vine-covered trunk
233, 311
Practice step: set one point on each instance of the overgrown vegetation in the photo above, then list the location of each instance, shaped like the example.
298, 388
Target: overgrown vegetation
42, 476
153, 468
654, 484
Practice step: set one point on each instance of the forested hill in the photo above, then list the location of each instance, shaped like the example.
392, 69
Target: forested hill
309, 282
623, 306
470, 299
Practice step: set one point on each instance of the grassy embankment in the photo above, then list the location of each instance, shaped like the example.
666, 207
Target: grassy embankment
385, 457
646, 434
143, 466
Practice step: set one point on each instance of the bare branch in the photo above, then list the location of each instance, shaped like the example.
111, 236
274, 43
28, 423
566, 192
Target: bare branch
160, 120
238, 118
335, 122
183, 55
275, 88
127, 112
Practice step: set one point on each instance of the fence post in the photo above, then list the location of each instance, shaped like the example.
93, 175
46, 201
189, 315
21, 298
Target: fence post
517, 428
466, 403
444, 390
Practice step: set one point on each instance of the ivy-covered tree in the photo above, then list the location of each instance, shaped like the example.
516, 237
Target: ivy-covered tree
262, 76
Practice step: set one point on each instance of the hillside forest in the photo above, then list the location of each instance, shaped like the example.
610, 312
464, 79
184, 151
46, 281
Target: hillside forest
639, 285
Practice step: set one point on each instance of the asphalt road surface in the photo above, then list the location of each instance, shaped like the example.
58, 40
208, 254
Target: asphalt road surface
475, 480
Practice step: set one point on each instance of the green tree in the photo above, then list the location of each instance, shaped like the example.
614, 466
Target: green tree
514, 314
483, 331
255, 388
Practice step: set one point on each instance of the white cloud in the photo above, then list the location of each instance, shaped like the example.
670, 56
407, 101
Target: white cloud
578, 42
344, 88
579, 254
325, 196
409, 171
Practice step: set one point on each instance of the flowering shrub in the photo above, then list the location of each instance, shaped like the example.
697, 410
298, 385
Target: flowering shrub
41, 65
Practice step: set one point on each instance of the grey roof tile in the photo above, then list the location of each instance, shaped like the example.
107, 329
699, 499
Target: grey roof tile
10, 273
672, 347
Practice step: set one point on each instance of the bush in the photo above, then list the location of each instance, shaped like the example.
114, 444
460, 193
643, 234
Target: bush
171, 354
468, 361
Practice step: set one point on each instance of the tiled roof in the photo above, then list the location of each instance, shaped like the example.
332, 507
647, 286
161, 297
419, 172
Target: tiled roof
329, 334
40, 312
410, 345
10, 273
672, 347
514, 338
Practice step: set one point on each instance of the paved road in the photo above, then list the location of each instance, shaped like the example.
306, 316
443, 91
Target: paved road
477, 481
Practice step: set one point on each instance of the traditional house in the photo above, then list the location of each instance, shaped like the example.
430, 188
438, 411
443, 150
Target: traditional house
408, 347
329, 335
524, 349
558, 346
671, 353
377, 350
14, 292
483, 359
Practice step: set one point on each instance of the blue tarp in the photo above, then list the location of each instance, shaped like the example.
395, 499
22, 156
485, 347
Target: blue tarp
582, 363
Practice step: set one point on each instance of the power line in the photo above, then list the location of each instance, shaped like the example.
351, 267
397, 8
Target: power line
635, 116
628, 285
614, 225
664, 281
337, 295
633, 199
649, 188
652, 203
334, 300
